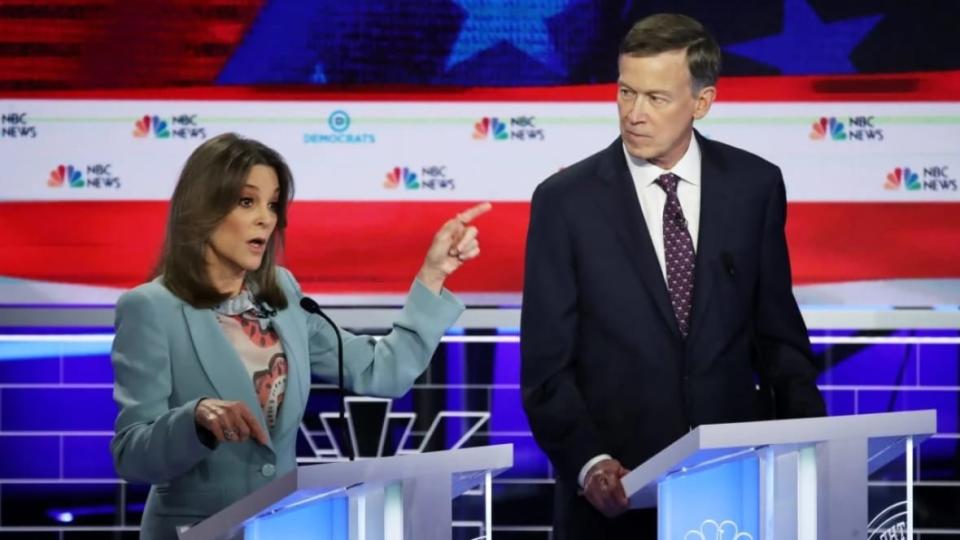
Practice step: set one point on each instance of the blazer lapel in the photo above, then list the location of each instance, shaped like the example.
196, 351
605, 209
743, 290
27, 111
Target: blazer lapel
298, 371
619, 201
713, 208
221, 362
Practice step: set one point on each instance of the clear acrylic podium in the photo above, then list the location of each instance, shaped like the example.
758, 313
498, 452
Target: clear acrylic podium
400, 497
832, 478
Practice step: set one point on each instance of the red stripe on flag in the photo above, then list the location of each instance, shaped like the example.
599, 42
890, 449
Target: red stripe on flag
843, 241
377, 247
899, 87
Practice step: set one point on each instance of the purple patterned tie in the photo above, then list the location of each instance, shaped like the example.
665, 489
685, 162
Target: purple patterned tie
678, 252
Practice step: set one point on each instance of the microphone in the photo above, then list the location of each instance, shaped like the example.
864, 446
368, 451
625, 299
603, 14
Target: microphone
310, 306
264, 308
727, 259
679, 220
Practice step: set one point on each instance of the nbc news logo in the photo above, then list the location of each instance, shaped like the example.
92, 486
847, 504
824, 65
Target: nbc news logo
520, 128
927, 179
857, 128
15, 125
432, 177
98, 176
184, 126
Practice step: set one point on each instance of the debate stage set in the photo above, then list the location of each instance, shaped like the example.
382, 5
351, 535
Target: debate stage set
393, 117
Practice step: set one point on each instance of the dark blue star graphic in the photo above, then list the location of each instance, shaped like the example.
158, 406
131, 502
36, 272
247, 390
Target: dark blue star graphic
807, 45
282, 44
521, 24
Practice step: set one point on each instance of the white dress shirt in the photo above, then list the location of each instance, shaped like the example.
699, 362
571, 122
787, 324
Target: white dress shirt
652, 199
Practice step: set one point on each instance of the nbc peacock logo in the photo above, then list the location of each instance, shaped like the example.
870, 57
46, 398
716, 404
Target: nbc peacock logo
151, 124
828, 127
91, 176
401, 175
902, 177
717, 530
490, 127
66, 175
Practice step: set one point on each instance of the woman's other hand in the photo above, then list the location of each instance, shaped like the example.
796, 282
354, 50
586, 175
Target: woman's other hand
229, 421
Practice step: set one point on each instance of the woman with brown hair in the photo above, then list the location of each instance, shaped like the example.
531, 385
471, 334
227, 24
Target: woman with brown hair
213, 358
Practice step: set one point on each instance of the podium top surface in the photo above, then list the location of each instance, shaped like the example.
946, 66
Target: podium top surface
711, 442
388, 469
464, 468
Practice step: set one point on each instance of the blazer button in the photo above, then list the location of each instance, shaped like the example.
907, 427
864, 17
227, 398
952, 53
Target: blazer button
268, 470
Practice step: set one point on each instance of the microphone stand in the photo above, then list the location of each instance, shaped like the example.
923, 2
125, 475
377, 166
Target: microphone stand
310, 306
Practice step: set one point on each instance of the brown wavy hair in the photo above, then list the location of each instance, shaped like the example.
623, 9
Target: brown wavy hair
209, 188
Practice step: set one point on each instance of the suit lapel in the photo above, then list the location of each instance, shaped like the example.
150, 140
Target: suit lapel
293, 342
619, 201
221, 362
713, 208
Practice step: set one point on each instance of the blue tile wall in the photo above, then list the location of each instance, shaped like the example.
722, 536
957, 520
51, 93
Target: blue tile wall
64, 391
94, 368
32, 371
87, 457
57, 409
29, 456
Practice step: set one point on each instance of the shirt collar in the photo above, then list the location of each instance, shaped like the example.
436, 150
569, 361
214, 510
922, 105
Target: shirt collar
688, 168
235, 305
245, 302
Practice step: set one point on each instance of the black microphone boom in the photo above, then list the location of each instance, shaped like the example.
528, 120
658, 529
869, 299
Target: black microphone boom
310, 306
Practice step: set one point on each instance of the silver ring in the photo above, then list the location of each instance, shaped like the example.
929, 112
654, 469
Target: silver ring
229, 434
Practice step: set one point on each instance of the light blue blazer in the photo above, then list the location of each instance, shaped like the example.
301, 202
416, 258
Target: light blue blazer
168, 355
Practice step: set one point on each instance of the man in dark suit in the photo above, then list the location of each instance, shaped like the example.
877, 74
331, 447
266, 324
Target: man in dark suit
657, 294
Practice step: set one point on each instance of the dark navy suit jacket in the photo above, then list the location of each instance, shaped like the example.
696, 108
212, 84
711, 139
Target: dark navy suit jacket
604, 367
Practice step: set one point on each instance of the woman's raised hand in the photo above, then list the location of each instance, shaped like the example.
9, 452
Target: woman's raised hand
455, 243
